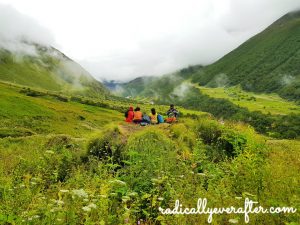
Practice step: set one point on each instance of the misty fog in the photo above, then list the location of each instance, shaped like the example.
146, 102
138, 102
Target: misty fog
115, 40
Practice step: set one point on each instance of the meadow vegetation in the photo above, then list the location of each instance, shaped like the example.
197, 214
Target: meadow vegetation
72, 160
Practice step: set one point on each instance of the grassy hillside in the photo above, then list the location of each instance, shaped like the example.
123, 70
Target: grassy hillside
47, 68
265, 103
268, 62
74, 162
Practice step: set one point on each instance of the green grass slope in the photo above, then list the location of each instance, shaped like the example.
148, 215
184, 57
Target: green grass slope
47, 68
23, 115
268, 62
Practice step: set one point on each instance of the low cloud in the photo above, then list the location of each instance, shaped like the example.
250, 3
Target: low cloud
18, 32
181, 90
121, 40
202, 38
287, 79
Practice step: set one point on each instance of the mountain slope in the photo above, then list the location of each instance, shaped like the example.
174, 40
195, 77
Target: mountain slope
47, 68
268, 62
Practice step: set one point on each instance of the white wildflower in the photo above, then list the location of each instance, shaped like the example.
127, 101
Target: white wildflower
80, 193
119, 182
233, 221
92, 206
64, 191
86, 208
160, 199
59, 202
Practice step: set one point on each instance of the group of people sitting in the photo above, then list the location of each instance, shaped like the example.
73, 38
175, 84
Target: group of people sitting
137, 117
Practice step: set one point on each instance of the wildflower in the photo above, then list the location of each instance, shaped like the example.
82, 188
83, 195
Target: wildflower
36, 216
160, 199
119, 182
86, 208
58, 202
233, 221
80, 193
92, 206
64, 191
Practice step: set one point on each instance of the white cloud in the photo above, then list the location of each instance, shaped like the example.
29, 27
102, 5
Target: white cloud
119, 39
15, 26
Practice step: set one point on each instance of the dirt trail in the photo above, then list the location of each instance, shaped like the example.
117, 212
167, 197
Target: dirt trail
128, 128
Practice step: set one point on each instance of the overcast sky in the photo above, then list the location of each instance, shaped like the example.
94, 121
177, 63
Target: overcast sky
123, 39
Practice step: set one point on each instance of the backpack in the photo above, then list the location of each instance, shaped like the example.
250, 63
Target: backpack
146, 118
160, 118
126, 114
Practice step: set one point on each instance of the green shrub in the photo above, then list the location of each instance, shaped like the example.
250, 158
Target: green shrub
108, 146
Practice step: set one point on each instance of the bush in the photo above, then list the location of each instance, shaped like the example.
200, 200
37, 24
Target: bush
107, 147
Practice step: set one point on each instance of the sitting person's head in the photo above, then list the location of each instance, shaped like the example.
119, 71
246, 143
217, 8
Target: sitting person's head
172, 106
137, 109
153, 111
130, 108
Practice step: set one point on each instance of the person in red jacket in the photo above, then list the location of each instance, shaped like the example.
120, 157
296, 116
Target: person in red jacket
130, 115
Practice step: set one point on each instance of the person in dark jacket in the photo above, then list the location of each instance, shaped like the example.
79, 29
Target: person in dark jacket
172, 114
